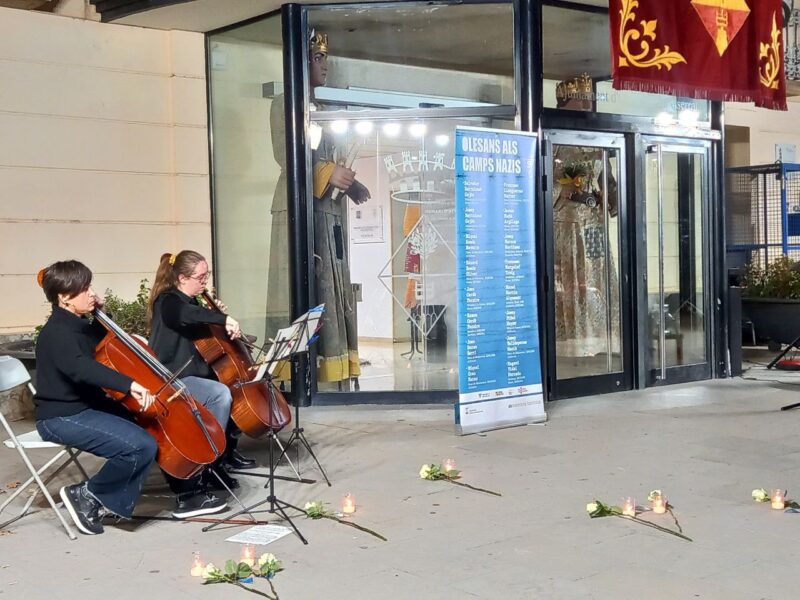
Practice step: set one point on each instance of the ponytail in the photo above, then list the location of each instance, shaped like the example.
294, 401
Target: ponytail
169, 267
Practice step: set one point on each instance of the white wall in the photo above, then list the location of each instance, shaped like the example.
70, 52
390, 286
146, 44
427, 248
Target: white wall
767, 128
103, 153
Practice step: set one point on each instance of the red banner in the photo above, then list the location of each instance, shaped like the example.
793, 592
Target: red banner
729, 50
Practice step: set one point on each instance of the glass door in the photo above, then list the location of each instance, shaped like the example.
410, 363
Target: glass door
675, 295
585, 213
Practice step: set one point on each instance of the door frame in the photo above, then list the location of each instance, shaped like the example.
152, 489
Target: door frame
701, 371
593, 384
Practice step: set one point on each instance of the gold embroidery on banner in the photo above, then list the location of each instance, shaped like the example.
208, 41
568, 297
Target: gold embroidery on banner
648, 57
768, 72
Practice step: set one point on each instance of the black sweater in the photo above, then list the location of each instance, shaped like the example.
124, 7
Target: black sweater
177, 321
68, 378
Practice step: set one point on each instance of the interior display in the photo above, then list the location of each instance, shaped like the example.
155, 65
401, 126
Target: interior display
585, 255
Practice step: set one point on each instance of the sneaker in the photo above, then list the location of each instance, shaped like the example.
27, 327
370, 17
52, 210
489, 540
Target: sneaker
83, 509
195, 505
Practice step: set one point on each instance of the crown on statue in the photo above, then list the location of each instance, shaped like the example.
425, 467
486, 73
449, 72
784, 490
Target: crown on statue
318, 42
577, 87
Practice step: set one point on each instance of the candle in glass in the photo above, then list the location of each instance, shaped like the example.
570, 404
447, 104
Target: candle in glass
629, 507
197, 565
778, 499
449, 465
348, 505
248, 555
659, 505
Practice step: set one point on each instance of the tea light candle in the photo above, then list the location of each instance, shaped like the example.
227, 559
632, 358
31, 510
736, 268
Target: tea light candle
629, 508
197, 565
449, 465
778, 499
348, 505
660, 505
248, 555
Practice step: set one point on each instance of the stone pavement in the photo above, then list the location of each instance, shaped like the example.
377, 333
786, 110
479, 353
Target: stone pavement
707, 445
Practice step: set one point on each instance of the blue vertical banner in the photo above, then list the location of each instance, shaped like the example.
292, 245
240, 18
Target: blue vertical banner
499, 359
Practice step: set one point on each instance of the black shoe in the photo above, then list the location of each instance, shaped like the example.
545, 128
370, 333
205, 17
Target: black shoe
195, 505
83, 509
212, 476
236, 460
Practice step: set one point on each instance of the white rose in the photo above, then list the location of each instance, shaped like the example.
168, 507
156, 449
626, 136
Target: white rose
425, 471
591, 507
654, 494
760, 495
208, 570
265, 558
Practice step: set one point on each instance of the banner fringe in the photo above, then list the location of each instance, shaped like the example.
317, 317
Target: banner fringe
689, 91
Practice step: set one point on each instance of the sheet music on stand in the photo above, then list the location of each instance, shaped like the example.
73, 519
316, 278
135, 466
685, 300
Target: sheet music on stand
291, 340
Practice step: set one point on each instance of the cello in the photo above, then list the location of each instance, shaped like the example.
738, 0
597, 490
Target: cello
258, 406
188, 435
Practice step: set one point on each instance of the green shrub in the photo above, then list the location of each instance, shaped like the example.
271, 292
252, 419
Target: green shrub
780, 279
130, 316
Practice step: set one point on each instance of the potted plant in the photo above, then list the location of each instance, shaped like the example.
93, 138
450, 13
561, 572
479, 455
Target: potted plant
771, 299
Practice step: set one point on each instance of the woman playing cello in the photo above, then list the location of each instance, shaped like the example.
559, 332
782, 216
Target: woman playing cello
176, 320
71, 408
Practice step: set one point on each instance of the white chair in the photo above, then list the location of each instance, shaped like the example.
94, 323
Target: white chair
14, 374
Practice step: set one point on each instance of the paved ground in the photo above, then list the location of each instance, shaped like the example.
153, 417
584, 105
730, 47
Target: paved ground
707, 445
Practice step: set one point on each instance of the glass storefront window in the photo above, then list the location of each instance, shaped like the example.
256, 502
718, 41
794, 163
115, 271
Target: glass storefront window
577, 73
383, 187
391, 258
249, 216
445, 56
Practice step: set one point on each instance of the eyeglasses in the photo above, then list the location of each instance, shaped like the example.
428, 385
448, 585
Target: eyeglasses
201, 278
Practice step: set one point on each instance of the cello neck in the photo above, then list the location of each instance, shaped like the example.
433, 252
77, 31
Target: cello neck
210, 301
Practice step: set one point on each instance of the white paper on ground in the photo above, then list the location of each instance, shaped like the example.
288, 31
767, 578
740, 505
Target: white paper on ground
260, 534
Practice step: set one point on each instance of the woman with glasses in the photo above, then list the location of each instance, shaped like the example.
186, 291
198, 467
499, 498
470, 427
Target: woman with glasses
176, 320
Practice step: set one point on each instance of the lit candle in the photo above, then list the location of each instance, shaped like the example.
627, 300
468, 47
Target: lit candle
629, 508
197, 565
778, 499
248, 555
660, 505
449, 465
348, 505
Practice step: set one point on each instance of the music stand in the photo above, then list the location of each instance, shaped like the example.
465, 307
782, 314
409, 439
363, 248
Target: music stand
288, 342
309, 333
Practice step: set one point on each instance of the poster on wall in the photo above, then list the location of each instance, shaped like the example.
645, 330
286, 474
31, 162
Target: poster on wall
499, 360
366, 224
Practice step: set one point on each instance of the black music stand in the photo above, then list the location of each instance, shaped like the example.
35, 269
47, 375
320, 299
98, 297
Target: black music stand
287, 344
298, 435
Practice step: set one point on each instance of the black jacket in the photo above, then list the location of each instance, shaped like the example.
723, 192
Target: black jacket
68, 378
177, 321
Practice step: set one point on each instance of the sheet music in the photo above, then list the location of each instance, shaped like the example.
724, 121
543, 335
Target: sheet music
260, 534
313, 323
291, 340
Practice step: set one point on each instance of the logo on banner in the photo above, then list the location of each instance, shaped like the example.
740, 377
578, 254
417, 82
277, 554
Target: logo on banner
723, 19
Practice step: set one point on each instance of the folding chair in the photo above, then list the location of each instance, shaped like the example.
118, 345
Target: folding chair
14, 374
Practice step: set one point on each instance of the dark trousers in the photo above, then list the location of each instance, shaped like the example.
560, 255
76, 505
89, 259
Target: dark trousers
130, 451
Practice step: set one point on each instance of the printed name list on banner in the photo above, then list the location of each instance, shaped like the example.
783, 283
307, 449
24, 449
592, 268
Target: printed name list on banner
499, 363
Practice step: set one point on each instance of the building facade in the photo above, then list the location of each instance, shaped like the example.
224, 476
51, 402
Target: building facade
217, 139
629, 224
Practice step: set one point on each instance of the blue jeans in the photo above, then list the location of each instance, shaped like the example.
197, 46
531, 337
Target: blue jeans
216, 397
130, 451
